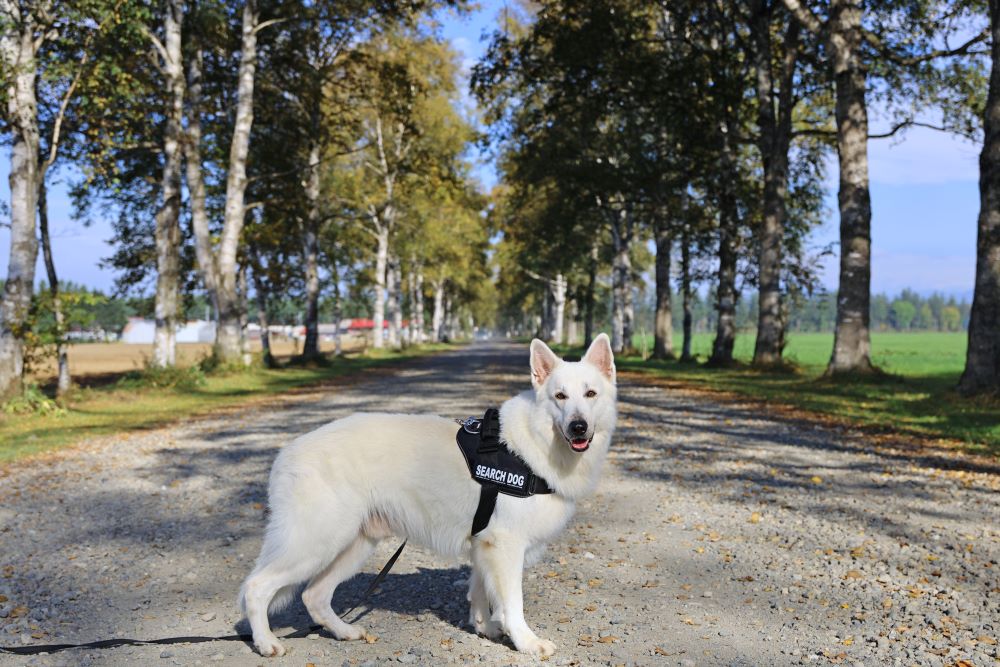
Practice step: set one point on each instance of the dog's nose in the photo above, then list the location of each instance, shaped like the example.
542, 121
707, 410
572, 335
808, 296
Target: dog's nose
578, 428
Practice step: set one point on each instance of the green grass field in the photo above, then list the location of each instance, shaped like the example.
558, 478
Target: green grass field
916, 398
131, 404
908, 354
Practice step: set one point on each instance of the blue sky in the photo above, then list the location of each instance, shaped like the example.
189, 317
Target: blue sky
925, 201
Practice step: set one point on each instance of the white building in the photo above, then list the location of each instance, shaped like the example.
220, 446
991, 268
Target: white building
139, 330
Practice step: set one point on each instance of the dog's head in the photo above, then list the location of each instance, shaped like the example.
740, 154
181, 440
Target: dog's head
580, 395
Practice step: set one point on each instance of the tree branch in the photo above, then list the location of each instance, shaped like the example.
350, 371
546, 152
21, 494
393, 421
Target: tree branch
876, 42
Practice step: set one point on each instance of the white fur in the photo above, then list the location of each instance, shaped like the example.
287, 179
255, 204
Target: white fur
335, 492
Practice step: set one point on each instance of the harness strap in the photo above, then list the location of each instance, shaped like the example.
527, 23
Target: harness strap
487, 503
489, 434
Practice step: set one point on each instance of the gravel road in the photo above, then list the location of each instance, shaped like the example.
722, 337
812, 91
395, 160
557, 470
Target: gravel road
719, 536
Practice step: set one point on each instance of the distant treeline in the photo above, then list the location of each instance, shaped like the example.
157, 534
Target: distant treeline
906, 311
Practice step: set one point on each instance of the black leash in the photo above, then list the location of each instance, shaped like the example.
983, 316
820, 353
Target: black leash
378, 579
245, 638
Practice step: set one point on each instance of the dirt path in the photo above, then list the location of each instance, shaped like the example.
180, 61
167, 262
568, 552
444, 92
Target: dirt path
719, 537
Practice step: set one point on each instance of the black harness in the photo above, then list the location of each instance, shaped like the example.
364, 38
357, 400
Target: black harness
494, 466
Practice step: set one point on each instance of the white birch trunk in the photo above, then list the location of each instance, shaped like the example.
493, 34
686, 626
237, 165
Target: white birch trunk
392, 301
437, 319
621, 270
229, 334
207, 268
558, 307
17, 50
418, 300
168, 226
378, 309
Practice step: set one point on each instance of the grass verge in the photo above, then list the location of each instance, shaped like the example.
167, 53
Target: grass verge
141, 400
917, 399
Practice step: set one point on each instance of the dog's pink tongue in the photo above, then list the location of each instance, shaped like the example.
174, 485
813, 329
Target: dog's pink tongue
579, 443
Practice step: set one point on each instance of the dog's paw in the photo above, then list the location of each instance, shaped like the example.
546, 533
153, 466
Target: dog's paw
269, 647
347, 632
541, 648
489, 629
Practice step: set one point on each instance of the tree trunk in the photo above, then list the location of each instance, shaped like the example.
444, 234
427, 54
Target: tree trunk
411, 285
338, 349
310, 255
725, 330
196, 187
852, 342
62, 349
449, 319
663, 328
982, 363
437, 319
261, 294
392, 280
168, 227
622, 313
686, 294
558, 291
589, 299
418, 304
243, 292
381, 260
228, 341
571, 323
17, 50
774, 142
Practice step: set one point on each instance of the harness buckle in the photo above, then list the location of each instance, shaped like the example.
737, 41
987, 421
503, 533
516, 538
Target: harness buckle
472, 425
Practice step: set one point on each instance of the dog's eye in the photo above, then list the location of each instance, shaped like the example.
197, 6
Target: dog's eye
591, 393
561, 396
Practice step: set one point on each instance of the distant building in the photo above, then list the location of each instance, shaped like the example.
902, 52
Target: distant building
141, 331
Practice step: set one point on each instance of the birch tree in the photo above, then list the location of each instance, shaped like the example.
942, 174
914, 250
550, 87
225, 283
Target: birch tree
46, 49
908, 40
21, 36
982, 365
409, 133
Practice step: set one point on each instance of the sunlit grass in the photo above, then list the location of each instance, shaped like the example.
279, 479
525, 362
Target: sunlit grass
917, 397
129, 406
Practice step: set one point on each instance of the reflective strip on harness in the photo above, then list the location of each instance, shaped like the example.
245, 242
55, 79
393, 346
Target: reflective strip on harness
494, 466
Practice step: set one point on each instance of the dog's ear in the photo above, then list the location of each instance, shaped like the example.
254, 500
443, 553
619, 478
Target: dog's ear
599, 354
543, 362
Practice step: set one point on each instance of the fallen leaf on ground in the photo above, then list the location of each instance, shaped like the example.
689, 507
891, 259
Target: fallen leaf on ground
754, 517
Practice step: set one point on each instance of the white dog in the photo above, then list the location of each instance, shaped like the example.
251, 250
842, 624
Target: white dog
336, 492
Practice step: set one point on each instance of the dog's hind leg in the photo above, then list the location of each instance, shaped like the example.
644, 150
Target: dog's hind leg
258, 592
319, 591
479, 608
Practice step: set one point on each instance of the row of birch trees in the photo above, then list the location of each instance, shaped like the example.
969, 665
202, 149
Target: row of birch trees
701, 129
255, 148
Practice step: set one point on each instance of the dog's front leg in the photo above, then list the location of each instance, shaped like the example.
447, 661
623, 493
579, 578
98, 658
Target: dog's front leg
499, 559
479, 608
